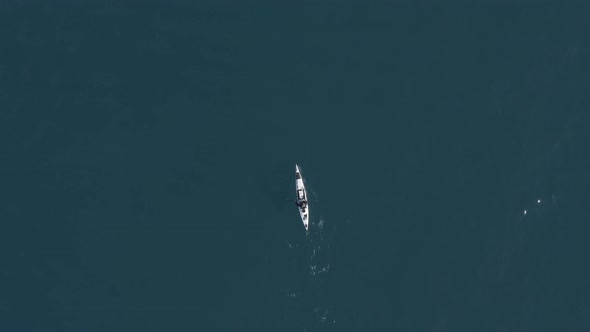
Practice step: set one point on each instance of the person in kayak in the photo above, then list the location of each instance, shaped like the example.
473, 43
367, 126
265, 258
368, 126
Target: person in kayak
301, 203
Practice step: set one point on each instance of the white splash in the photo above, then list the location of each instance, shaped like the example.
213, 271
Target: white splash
290, 293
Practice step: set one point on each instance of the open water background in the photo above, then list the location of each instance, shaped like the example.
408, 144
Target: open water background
148, 151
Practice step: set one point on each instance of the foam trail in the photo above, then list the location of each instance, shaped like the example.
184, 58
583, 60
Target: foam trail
316, 259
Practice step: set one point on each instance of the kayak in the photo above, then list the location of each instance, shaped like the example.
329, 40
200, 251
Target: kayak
303, 204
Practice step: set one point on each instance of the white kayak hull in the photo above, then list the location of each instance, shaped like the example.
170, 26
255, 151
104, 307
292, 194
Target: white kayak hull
301, 193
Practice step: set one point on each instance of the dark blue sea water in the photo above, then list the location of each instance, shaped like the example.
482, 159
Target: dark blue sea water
148, 155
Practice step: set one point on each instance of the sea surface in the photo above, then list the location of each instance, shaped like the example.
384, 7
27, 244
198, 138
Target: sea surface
148, 153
